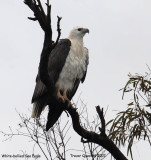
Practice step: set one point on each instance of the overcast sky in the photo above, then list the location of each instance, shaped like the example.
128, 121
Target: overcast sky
119, 42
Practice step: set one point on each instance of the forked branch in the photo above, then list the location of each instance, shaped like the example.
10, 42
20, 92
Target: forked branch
100, 139
45, 23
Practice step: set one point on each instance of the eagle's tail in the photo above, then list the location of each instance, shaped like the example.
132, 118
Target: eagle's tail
37, 109
54, 113
53, 116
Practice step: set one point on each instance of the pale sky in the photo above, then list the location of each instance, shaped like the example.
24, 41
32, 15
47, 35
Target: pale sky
118, 43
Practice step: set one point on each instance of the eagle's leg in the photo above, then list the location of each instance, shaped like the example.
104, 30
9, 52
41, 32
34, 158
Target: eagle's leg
66, 98
60, 96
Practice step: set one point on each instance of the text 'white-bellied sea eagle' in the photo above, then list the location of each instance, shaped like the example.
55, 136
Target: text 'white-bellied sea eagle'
67, 67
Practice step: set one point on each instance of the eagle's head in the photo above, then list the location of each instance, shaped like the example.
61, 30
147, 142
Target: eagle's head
78, 32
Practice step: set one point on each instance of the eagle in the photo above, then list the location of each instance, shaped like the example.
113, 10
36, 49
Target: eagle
67, 67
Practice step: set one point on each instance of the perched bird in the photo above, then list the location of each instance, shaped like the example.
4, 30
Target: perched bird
67, 67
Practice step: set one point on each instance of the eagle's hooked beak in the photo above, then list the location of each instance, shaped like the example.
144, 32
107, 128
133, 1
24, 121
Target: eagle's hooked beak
86, 30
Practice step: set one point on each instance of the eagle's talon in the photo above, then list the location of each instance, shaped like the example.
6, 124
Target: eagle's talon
69, 103
60, 97
66, 102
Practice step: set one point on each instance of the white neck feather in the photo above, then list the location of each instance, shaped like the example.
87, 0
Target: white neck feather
77, 46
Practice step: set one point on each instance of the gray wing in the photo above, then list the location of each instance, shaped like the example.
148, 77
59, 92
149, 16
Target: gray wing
56, 62
57, 58
40, 89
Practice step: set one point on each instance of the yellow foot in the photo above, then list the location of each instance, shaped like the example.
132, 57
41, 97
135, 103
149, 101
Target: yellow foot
63, 97
60, 96
66, 99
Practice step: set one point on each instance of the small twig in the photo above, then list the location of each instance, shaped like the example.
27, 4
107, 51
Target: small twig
32, 18
101, 116
58, 30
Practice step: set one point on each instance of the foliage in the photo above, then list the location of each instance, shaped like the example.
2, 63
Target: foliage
134, 123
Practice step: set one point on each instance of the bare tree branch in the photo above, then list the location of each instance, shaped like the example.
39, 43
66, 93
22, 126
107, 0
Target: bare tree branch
100, 139
45, 23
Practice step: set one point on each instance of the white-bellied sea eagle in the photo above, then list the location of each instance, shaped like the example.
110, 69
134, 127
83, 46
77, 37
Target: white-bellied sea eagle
67, 67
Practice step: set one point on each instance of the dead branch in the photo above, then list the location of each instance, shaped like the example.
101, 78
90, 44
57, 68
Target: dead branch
100, 139
45, 23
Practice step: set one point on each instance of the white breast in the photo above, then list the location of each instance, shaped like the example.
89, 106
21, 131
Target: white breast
75, 66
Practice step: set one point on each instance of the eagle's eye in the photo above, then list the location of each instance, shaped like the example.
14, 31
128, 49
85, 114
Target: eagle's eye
79, 29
